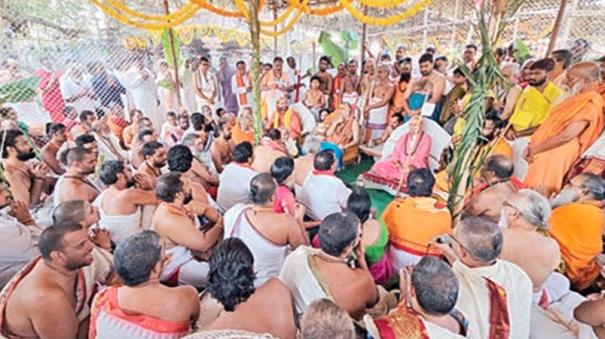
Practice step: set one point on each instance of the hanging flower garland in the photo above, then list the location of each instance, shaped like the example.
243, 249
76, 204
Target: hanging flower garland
317, 11
112, 12
244, 9
387, 21
222, 12
162, 18
288, 26
382, 3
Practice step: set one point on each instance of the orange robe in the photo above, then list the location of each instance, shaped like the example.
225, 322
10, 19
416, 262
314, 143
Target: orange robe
414, 221
548, 169
239, 136
578, 228
397, 102
290, 121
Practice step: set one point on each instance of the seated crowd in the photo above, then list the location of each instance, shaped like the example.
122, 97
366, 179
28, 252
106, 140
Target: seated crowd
219, 225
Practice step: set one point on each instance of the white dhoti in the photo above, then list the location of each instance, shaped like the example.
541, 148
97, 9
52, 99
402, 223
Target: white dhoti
557, 320
189, 270
120, 226
519, 146
377, 119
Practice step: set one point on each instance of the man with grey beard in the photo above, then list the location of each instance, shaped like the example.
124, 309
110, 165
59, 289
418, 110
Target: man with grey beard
577, 224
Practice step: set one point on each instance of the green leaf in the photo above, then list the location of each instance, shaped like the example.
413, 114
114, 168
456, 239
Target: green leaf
521, 51
20, 90
337, 54
168, 49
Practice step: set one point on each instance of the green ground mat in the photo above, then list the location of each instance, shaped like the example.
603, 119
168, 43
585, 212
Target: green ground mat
380, 199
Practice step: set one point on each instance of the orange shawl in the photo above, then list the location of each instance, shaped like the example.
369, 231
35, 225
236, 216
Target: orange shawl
548, 169
577, 228
239, 136
414, 222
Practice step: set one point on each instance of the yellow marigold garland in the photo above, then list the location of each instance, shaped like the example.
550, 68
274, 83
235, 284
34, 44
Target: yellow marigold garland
319, 11
382, 3
387, 21
112, 12
162, 18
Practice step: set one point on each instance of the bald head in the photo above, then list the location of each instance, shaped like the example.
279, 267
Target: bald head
481, 238
499, 166
588, 70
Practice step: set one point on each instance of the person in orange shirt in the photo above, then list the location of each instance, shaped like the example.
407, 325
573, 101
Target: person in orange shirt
243, 129
415, 220
405, 69
568, 131
576, 223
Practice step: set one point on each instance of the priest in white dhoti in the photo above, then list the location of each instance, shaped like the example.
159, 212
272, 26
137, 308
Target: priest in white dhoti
139, 81
188, 85
234, 181
76, 90
495, 295
241, 86
206, 86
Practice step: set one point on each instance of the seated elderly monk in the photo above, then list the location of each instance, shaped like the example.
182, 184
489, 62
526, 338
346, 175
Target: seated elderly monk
286, 118
343, 135
18, 235
270, 148
108, 143
234, 182
569, 130
27, 180
431, 290
74, 184
121, 204
495, 295
269, 235
321, 181
49, 297
176, 221
524, 217
244, 127
414, 220
577, 223
411, 152
142, 307
337, 271
496, 184
263, 309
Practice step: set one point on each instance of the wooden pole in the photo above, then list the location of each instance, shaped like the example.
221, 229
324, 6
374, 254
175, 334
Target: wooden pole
174, 58
364, 35
557, 27
275, 29
255, 41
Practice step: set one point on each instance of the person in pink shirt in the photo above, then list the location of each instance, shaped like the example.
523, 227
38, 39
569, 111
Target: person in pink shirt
281, 171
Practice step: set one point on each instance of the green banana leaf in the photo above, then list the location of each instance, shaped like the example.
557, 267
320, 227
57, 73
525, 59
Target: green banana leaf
168, 50
22, 90
350, 40
337, 54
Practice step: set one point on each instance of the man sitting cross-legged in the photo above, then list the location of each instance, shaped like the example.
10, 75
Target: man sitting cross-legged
429, 293
495, 295
143, 307
263, 309
49, 297
235, 178
176, 221
120, 205
269, 235
497, 184
524, 216
338, 270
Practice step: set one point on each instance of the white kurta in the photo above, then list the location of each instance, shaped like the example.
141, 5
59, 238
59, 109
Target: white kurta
323, 195
143, 92
473, 298
207, 85
71, 87
234, 186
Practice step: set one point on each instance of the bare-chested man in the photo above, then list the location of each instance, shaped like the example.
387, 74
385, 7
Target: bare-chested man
494, 188
338, 269
270, 148
58, 137
27, 180
85, 125
428, 88
161, 311
526, 214
48, 299
136, 153
221, 148
176, 222
154, 154
377, 107
303, 165
74, 184
353, 76
264, 309
326, 79
88, 142
120, 205
269, 235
